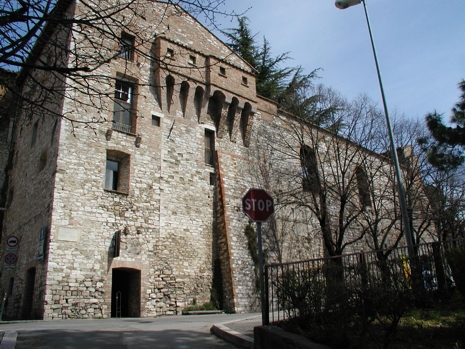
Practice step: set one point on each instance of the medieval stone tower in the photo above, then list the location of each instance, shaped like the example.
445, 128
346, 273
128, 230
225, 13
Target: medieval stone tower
129, 216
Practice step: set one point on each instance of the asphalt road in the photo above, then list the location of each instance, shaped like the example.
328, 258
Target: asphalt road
170, 332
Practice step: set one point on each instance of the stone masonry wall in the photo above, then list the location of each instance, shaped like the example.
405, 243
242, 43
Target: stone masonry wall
157, 236
166, 217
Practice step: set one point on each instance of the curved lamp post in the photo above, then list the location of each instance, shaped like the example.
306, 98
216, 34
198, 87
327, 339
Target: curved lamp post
343, 4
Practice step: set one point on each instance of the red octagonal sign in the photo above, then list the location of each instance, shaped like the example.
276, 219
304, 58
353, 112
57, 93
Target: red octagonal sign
258, 205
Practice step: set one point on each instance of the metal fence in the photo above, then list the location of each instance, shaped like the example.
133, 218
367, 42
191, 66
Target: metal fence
307, 287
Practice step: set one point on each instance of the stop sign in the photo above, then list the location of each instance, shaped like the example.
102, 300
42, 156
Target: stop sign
258, 205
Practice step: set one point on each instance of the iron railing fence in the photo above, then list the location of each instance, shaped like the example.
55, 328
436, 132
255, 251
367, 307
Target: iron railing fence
306, 288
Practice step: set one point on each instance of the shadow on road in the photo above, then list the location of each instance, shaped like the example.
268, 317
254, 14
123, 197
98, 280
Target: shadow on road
68, 339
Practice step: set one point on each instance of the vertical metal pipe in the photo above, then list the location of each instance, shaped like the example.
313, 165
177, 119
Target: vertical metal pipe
3, 305
267, 298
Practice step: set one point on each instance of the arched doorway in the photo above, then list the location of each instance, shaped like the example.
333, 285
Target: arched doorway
28, 299
125, 292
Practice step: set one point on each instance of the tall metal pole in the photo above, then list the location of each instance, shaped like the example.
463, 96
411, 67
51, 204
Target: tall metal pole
400, 186
260, 264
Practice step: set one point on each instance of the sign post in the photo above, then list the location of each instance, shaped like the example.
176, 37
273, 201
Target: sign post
258, 205
11, 256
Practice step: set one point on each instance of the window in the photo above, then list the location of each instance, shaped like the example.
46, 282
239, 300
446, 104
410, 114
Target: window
116, 244
111, 175
209, 147
127, 47
117, 171
310, 176
363, 187
155, 120
192, 60
53, 132
244, 81
169, 53
35, 128
10, 286
43, 160
222, 70
123, 106
212, 179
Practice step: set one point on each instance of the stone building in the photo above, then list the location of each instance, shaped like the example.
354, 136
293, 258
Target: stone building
129, 204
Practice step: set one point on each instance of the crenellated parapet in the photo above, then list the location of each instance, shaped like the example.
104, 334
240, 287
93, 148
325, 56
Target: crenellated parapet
233, 116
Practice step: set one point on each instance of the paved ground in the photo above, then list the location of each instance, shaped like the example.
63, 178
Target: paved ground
240, 331
171, 332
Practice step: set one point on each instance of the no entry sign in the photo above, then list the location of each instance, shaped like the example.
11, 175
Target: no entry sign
258, 205
12, 241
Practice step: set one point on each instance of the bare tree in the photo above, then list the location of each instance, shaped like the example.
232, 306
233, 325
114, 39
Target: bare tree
338, 182
319, 176
435, 197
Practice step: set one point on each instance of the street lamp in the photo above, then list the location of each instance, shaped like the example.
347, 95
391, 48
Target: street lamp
343, 4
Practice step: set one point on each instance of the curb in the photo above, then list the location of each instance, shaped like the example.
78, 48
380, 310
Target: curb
231, 336
9, 340
202, 312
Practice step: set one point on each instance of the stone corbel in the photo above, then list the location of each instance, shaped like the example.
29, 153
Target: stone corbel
223, 124
138, 141
236, 122
108, 134
248, 127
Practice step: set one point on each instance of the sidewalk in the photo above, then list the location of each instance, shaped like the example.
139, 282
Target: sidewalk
239, 332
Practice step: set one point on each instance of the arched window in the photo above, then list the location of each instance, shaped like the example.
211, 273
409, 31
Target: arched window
363, 186
309, 165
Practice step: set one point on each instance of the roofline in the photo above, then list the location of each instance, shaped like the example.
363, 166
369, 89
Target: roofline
253, 69
57, 14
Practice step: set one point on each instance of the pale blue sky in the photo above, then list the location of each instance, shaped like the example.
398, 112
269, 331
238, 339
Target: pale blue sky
420, 46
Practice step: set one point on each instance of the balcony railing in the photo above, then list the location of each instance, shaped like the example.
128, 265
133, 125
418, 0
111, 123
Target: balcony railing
122, 127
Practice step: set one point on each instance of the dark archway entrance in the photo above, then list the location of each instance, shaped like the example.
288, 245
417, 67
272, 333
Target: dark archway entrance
125, 293
28, 299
